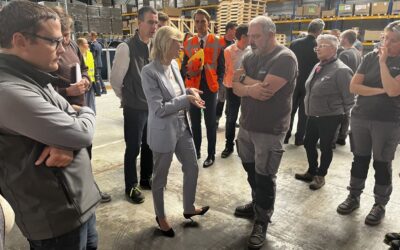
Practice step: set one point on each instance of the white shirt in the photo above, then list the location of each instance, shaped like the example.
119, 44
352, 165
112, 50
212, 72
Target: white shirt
171, 77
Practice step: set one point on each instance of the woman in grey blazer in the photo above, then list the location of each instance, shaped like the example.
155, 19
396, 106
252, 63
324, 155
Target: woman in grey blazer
168, 129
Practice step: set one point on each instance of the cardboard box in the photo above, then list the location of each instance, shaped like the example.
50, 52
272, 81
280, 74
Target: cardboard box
372, 35
379, 8
191, 3
345, 9
311, 10
396, 8
362, 9
328, 13
127, 8
173, 12
93, 11
299, 11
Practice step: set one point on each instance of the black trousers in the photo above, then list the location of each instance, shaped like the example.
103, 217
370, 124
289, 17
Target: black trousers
298, 104
323, 129
135, 131
232, 106
210, 99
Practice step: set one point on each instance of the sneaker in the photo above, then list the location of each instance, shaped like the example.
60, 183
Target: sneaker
349, 205
246, 211
317, 183
341, 142
136, 195
227, 152
105, 197
376, 215
307, 177
145, 184
389, 237
258, 235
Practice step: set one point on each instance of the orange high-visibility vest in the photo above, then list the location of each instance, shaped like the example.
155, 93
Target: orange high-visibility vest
212, 49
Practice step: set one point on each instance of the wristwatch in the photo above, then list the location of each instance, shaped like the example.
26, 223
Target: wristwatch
242, 77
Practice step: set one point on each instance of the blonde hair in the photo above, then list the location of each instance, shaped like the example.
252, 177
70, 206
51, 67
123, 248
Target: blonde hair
162, 42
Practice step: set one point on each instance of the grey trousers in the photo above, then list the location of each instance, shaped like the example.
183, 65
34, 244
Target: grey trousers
186, 154
261, 156
380, 139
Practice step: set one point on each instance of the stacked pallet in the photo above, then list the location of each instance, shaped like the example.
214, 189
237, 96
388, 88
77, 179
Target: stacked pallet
239, 11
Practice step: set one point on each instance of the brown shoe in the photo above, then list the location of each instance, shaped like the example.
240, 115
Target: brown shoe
317, 183
307, 177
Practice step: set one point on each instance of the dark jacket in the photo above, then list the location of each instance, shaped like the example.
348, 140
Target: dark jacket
96, 49
48, 202
303, 48
132, 91
328, 91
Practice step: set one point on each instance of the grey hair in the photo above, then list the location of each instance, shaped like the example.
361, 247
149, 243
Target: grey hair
267, 24
330, 38
316, 26
394, 27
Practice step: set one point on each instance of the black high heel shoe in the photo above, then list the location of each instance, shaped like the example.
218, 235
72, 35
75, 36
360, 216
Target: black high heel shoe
170, 233
203, 211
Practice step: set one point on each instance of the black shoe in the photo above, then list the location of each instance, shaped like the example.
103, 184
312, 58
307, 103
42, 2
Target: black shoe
170, 233
105, 197
202, 212
307, 177
349, 205
227, 152
136, 195
258, 235
341, 142
145, 184
198, 155
376, 215
245, 211
298, 142
395, 245
209, 161
98, 94
104, 92
389, 237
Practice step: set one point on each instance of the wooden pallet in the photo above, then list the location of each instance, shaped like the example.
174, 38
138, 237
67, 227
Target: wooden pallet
239, 11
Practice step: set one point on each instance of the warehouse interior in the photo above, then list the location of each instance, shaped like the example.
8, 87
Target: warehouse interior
303, 218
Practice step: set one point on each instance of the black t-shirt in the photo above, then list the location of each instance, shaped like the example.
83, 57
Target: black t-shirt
377, 107
273, 115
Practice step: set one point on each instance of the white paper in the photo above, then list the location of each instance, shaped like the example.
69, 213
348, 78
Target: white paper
78, 73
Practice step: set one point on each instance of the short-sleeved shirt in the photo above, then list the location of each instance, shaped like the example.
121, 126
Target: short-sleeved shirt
378, 107
351, 57
273, 115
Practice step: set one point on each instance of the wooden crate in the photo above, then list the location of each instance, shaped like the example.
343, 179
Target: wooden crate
239, 11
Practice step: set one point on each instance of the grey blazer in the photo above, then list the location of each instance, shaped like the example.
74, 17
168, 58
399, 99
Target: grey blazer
164, 105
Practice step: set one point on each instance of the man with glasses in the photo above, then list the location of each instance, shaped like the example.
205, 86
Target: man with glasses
304, 51
126, 81
45, 170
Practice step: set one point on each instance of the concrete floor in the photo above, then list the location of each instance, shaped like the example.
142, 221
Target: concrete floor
303, 219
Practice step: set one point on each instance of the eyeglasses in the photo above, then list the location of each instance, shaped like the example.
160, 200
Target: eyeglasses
321, 46
53, 41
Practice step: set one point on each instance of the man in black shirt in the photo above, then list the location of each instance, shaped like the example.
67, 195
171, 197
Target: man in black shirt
303, 48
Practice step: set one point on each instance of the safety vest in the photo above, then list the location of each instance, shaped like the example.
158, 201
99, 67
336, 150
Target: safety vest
212, 49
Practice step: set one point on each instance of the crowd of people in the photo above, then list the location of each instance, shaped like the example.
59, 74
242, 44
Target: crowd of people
166, 81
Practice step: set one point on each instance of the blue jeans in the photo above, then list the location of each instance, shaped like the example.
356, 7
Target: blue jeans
83, 238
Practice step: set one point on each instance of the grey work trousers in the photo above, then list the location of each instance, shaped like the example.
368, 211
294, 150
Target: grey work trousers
186, 154
380, 138
261, 154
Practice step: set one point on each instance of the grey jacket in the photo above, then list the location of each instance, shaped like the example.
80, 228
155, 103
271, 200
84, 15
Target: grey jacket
328, 92
164, 105
48, 202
